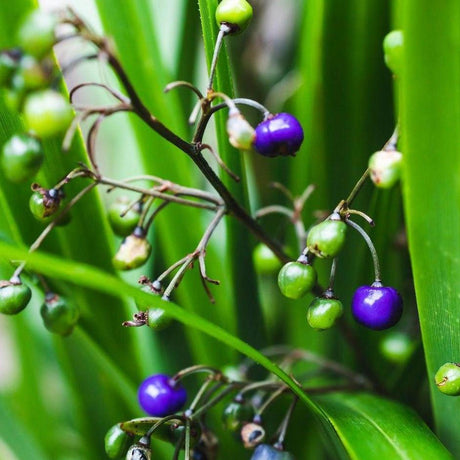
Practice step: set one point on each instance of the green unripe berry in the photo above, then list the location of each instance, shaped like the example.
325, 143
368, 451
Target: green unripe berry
324, 312
133, 252
396, 347
158, 319
36, 34
327, 238
15, 94
296, 279
35, 74
155, 318
13, 99
448, 379
385, 168
123, 222
235, 13
117, 442
47, 113
14, 296
59, 315
265, 260
235, 414
393, 44
22, 156
43, 205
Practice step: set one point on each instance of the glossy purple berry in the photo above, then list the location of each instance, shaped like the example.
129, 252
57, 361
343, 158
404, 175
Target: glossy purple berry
160, 395
279, 134
377, 307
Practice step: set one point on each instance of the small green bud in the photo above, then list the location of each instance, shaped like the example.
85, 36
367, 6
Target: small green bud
385, 168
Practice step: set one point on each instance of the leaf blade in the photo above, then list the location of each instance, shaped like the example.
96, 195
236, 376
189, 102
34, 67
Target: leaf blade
430, 121
372, 427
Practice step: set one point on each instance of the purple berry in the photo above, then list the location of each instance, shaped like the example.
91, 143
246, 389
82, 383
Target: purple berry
280, 134
160, 395
377, 307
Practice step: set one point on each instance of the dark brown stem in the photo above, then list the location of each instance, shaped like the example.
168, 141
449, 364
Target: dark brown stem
155, 193
142, 111
233, 208
193, 151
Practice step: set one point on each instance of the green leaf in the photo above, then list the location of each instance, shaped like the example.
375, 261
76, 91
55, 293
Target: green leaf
430, 125
15, 442
371, 427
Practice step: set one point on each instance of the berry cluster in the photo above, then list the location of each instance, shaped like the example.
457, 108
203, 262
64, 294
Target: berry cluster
376, 306
29, 80
59, 314
26, 76
246, 405
27, 73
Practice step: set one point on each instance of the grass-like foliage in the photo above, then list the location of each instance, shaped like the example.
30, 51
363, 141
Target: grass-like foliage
229, 230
